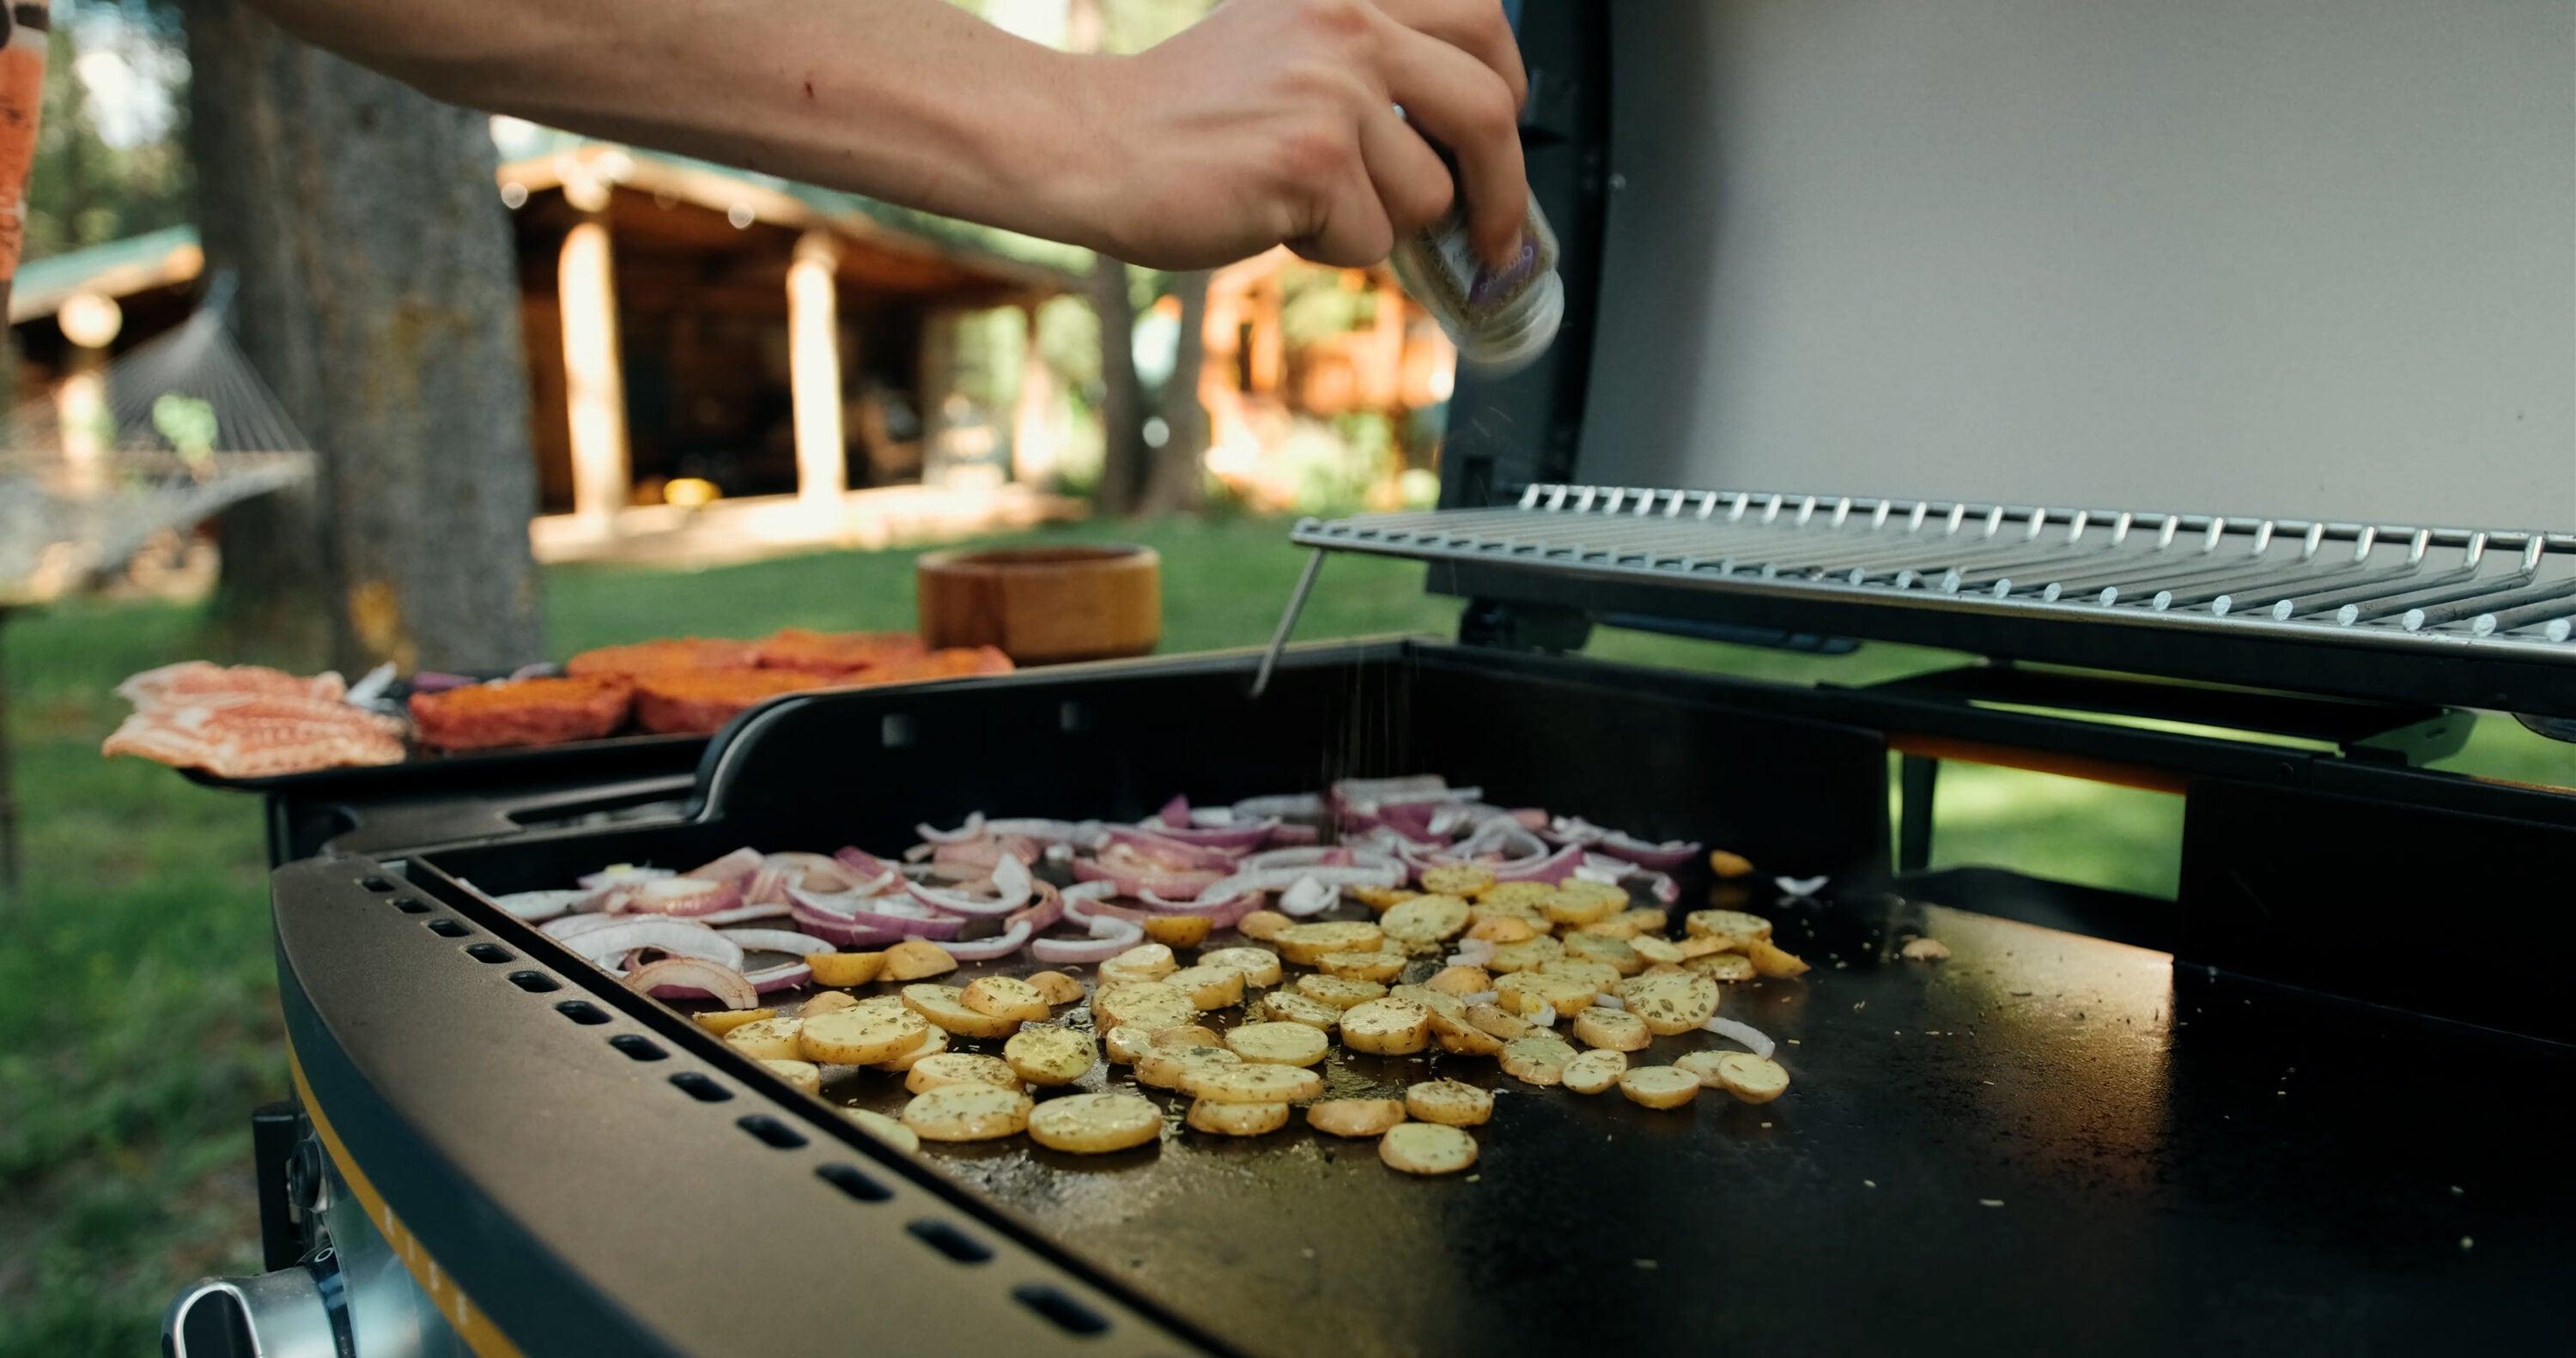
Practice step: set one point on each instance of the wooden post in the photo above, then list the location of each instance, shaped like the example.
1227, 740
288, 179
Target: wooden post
594, 381
814, 370
1033, 409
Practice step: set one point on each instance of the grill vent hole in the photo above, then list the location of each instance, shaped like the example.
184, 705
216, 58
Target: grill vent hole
640, 1048
895, 732
771, 1132
533, 982
701, 1088
489, 952
1069, 1315
373, 883
851, 1180
448, 928
950, 1241
411, 905
1072, 718
582, 1012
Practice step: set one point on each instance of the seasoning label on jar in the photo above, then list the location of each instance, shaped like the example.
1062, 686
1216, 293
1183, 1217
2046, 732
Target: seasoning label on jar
1500, 316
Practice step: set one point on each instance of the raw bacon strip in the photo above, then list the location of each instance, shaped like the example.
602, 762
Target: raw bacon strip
252, 736
197, 680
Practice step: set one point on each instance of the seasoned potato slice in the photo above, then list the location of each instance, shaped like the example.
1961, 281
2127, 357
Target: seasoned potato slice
1388, 1027
1278, 1043
1754, 1079
913, 959
1095, 1124
1424, 920
958, 1068
1150, 1005
1670, 1001
1604, 950
1306, 944
1260, 966
1525, 991
1195, 1035
1239, 1082
1057, 987
1598, 975
1503, 929
1536, 1060
1237, 1119
1362, 966
1492, 1018
1730, 926
723, 1021
860, 1036
1454, 1103
1338, 991
1208, 987
1125, 1045
1701, 1064
932, 1044
769, 1039
1461, 980
1354, 1117
845, 968
967, 1112
1524, 956
884, 1129
1179, 931
1659, 1086
1459, 879
1262, 924
1726, 864
1287, 1006
1772, 961
1612, 1028
804, 1075
1617, 926
1581, 902
1044, 1054
1515, 895
1654, 949
1169, 1067
1467, 1041
945, 1006
826, 1002
1380, 897
1595, 1070
1730, 967
1144, 962
1005, 997
1649, 919
1426, 1148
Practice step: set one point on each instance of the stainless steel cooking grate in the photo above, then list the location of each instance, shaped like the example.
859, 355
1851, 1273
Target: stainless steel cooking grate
2372, 585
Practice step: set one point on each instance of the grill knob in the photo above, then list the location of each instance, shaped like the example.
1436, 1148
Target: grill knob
273, 1315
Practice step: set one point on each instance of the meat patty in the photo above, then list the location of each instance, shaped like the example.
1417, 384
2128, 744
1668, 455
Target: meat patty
795, 648
668, 653
700, 701
521, 712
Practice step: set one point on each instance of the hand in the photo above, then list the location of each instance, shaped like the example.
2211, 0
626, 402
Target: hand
1274, 121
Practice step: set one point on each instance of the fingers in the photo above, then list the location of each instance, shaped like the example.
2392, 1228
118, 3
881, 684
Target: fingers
1351, 230
1476, 27
1461, 103
1411, 183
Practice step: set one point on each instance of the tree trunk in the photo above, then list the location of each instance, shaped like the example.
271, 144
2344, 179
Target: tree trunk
1174, 483
1122, 398
379, 298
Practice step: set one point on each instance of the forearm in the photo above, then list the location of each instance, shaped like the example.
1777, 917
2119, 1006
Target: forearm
912, 101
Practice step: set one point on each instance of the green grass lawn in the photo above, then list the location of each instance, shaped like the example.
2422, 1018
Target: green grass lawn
137, 1023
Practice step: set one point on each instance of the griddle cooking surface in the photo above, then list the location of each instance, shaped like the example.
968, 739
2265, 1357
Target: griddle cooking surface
2048, 1142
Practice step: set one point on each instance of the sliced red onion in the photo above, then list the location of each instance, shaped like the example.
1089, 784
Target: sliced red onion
1165, 852
1236, 838
983, 853
777, 940
860, 921
1800, 887
1620, 844
1546, 1015
1012, 886
1000, 945
1753, 1038
1552, 869
733, 867
619, 874
1309, 896
1085, 833
1285, 806
1505, 838
765, 886
694, 977
1134, 883
1531, 818
1609, 1001
534, 906
1619, 872
1480, 997
680, 938
1472, 952
1044, 911
1280, 879
1348, 790
1289, 832
1221, 912
680, 896
972, 829
1337, 856
745, 914
1175, 812
867, 865
1109, 937
571, 925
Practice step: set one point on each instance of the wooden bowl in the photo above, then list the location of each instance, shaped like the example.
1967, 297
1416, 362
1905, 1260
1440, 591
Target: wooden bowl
1044, 604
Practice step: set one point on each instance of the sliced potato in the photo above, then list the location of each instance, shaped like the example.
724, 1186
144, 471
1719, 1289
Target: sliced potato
1461, 980
1044, 1054
1264, 924
1732, 926
1577, 901
1524, 956
958, 1068
1240, 1082
1595, 1070
1237, 1119
1425, 920
1095, 1124
1458, 879
1387, 1027
1150, 1005
1453, 1103
1772, 961
945, 1005
1649, 919
1437, 1001
826, 1002
1604, 950
1502, 929
1536, 1060
1195, 1035
1598, 975
860, 1036
769, 1039
1701, 1064
1614, 1029
1506, 896
1380, 897
1754, 1079
932, 1045
723, 1021
1278, 1043
1726, 864
1057, 987
1338, 991
915, 958
1694, 945
1305, 944
804, 1075
1730, 967
1654, 949
967, 1112
1659, 1086
1354, 1117
1208, 987
1179, 931
1466, 1041
1005, 997
1169, 1067
1617, 926
1492, 1018
1670, 1002
1526, 991
845, 968
1288, 1006
1260, 966
884, 1129
1125, 1045
1362, 966
1144, 962
1924, 950
1426, 1148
